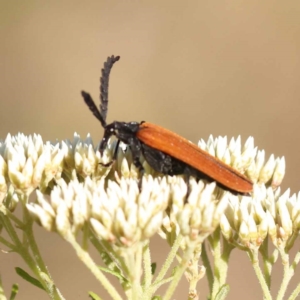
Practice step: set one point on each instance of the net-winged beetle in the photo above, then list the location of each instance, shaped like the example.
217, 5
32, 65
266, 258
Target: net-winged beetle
165, 151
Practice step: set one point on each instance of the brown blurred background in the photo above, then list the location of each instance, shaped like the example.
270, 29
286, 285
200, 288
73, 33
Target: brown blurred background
196, 67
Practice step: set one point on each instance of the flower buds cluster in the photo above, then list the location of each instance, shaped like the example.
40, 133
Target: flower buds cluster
119, 213
27, 163
247, 220
107, 197
194, 217
247, 160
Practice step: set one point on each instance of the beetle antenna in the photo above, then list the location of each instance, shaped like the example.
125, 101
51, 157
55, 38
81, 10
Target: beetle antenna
101, 115
92, 106
104, 82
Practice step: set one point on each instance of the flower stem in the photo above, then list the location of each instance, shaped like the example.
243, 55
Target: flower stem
295, 293
206, 263
6, 243
179, 272
107, 253
255, 263
133, 258
22, 249
221, 263
264, 249
86, 259
8, 213
167, 263
147, 266
288, 272
32, 243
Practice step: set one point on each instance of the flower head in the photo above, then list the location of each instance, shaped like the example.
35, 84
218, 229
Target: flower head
118, 213
247, 160
105, 196
30, 162
248, 220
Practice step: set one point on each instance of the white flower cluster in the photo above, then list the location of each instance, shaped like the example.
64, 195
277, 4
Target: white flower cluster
26, 163
107, 198
247, 160
194, 217
118, 213
247, 220
82, 156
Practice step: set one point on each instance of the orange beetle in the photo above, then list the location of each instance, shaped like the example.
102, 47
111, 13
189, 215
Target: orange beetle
165, 151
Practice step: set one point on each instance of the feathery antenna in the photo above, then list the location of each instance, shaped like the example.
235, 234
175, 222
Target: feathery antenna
104, 83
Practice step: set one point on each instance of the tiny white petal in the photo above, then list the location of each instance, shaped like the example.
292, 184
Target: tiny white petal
278, 173
226, 228
63, 225
267, 170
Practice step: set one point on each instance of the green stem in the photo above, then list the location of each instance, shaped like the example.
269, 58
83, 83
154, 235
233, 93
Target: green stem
295, 293
286, 274
261, 279
147, 266
221, 265
158, 285
135, 264
10, 229
227, 248
11, 216
138, 271
264, 250
288, 271
179, 272
86, 259
29, 236
7, 244
195, 271
109, 256
207, 265
167, 263
28, 230
22, 250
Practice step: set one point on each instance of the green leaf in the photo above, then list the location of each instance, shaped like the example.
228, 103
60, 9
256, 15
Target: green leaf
29, 278
115, 273
174, 270
94, 296
223, 292
153, 268
14, 291
113, 268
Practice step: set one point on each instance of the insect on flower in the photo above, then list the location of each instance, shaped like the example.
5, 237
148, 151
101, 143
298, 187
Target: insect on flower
165, 151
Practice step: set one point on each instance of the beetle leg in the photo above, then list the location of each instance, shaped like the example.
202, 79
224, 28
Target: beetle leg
116, 150
114, 156
108, 132
135, 147
187, 174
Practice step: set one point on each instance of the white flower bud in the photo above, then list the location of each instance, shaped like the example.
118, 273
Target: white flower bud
279, 172
267, 170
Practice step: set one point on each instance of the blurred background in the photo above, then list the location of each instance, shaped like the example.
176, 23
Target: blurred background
195, 67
